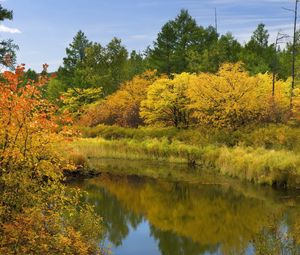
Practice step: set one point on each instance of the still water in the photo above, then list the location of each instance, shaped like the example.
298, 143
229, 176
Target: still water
193, 215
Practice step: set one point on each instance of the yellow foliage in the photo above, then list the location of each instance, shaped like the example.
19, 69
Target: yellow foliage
123, 106
167, 101
232, 98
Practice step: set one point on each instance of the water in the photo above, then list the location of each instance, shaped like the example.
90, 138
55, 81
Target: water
203, 215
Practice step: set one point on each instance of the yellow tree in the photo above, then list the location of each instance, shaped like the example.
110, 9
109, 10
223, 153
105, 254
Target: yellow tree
232, 98
122, 107
167, 102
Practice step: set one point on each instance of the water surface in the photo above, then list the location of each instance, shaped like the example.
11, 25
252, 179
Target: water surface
188, 216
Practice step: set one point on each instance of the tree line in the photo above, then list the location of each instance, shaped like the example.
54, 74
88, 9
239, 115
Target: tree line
181, 46
190, 76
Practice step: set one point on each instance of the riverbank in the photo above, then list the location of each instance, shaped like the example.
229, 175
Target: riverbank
266, 155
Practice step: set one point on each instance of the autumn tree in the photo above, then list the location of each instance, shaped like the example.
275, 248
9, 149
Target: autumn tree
123, 106
232, 98
167, 102
37, 214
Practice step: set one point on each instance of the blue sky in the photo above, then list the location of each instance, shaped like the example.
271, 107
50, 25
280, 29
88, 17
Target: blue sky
44, 28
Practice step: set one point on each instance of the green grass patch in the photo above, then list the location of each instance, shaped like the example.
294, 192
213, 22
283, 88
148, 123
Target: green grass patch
279, 168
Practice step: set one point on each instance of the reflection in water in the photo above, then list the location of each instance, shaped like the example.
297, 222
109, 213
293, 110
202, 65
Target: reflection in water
189, 219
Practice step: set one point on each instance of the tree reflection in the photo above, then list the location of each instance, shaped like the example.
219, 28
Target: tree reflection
172, 244
116, 219
186, 219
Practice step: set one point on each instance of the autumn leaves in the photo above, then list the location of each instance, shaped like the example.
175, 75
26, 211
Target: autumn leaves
231, 98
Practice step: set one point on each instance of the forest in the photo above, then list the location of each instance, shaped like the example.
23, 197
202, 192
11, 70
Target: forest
194, 98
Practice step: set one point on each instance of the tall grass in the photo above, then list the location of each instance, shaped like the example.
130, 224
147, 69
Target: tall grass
278, 137
154, 149
259, 165
117, 132
277, 168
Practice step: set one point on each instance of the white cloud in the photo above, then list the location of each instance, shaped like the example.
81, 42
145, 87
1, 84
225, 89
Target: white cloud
6, 29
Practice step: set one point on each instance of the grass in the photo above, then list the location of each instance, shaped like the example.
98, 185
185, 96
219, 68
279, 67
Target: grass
279, 168
116, 132
153, 149
271, 136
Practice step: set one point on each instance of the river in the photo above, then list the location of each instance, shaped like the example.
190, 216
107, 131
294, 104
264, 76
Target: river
181, 213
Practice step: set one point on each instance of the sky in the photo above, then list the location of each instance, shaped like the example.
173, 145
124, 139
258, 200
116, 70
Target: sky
44, 28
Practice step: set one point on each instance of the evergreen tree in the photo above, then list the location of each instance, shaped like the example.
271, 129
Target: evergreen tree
257, 54
75, 56
7, 47
170, 51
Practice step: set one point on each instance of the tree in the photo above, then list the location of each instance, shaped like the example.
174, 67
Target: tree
75, 56
76, 51
54, 90
31, 75
257, 54
7, 47
216, 52
117, 58
169, 54
104, 67
5, 14
122, 107
161, 57
260, 36
37, 214
136, 64
229, 49
95, 67
232, 98
167, 101
75, 99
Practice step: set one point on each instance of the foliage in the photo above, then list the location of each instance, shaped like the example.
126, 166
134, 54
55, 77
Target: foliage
232, 98
105, 66
55, 88
122, 107
167, 102
75, 99
181, 46
37, 213
257, 54
225, 49
7, 47
178, 39
75, 55
91, 65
